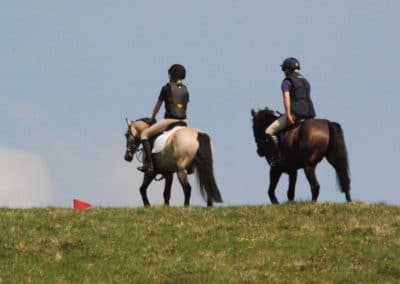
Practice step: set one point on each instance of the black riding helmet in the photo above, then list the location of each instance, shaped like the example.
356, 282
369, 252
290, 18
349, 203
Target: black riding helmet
177, 71
290, 64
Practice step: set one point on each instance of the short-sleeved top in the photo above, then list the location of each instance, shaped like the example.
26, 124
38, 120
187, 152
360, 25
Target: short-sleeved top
286, 85
175, 99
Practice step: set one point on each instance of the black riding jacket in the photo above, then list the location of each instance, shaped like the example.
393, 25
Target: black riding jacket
176, 98
300, 100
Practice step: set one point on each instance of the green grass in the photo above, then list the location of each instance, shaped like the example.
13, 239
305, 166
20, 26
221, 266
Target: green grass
291, 243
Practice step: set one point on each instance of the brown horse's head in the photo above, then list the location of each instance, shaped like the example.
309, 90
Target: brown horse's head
132, 136
261, 120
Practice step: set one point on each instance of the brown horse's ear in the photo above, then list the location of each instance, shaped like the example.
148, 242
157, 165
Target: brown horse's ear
253, 113
128, 121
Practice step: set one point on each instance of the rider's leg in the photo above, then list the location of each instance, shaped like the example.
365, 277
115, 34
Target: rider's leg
272, 139
145, 136
148, 161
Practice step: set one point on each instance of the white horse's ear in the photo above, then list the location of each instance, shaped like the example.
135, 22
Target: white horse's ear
128, 122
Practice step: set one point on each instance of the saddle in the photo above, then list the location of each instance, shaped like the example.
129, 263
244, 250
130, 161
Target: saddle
175, 124
171, 126
276, 156
159, 140
296, 124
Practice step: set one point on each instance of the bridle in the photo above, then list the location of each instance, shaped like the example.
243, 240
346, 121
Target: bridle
259, 133
132, 147
132, 143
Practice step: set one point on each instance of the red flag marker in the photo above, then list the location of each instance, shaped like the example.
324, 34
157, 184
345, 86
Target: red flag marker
81, 205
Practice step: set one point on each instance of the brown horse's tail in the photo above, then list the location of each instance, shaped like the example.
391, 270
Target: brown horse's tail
337, 156
204, 169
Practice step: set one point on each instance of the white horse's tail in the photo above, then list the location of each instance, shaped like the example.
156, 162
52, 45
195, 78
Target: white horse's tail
204, 169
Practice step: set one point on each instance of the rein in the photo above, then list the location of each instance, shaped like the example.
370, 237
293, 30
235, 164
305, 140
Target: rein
139, 158
139, 154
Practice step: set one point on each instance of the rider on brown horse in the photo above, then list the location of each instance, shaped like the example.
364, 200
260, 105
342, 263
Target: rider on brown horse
175, 95
297, 103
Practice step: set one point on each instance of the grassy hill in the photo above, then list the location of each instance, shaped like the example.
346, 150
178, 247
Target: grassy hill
291, 243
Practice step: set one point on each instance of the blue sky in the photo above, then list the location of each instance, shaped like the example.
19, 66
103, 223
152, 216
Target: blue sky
71, 71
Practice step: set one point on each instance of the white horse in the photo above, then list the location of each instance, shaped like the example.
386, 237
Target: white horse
187, 149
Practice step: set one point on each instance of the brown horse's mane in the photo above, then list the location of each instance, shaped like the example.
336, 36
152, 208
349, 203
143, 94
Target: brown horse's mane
269, 113
262, 119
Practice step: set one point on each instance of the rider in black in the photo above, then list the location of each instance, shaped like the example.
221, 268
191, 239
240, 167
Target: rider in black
175, 96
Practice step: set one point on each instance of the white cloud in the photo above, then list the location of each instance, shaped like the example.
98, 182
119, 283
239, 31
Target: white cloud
22, 111
24, 179
25, 112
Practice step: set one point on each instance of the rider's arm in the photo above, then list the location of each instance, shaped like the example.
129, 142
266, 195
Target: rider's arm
285, 87
156, 109
286, 103
158, 104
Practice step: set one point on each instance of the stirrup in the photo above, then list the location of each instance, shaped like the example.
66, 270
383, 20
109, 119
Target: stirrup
142, 169
145, 169
274, 163
274, 160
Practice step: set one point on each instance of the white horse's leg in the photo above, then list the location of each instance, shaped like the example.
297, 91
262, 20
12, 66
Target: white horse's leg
147, 179
167, 188
187, 189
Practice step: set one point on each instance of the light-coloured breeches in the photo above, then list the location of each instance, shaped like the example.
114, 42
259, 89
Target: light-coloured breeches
158, 128
277, 125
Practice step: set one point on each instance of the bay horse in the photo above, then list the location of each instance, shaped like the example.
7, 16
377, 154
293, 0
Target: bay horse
302, 146
187, 149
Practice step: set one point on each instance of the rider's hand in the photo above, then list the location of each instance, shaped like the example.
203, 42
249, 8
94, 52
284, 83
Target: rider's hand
152, 121
289, 118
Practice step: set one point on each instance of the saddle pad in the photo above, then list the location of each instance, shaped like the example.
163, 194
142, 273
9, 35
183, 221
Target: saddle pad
160, 141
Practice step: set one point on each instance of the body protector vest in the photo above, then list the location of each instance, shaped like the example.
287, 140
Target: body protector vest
176, 101
300, 100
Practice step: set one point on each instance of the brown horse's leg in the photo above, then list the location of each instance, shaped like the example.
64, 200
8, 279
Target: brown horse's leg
147, 179
187, 189
274, 175
292, 185
167, 188
312, 179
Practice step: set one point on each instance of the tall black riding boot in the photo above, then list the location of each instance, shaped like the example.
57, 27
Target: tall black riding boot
148, 162
273, 151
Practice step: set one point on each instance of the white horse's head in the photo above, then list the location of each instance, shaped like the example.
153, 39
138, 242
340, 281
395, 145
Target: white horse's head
132, 136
